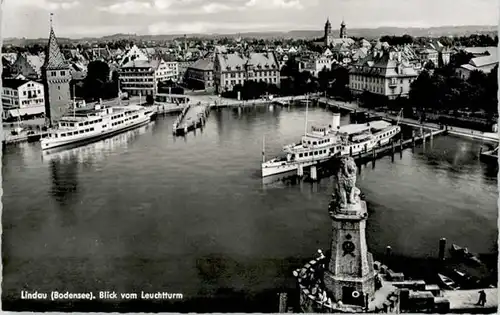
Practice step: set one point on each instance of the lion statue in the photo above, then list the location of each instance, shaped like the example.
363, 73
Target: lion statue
346, 192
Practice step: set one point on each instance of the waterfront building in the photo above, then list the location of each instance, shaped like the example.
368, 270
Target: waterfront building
141, 77
22, 98
236, 68
56, 74
30, 66
200, 75
383, 73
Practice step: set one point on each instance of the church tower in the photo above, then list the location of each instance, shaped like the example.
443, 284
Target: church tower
343, 30
328, 33
56, 78
350, 276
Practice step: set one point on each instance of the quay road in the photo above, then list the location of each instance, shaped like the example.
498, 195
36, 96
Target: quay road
215, 101
464, 132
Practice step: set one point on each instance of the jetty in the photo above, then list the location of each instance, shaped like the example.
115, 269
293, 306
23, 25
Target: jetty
321, 170
191, 117
457, 131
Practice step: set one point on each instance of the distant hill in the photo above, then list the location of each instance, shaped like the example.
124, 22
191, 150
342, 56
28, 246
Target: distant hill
370, 33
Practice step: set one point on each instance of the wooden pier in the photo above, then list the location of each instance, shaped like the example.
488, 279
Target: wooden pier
191, 117
397, 145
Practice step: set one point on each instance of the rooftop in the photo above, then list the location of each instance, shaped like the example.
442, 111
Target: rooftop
203, 64
14, 83
484, 61
54, 58
142, 64
235, 60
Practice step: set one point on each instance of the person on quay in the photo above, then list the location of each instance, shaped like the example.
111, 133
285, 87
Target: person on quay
482, 298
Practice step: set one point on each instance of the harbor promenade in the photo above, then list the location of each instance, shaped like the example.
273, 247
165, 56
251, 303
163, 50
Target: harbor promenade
462, 132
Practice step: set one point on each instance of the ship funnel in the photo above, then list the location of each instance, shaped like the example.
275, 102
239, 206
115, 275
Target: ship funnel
336, 121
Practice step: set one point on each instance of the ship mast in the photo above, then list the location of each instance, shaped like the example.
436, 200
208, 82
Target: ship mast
307, 107
263, 149
74, 101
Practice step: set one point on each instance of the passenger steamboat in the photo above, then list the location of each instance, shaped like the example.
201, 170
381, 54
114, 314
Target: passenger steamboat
324, 143
88, 125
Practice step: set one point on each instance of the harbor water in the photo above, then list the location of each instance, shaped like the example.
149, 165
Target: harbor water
148, 211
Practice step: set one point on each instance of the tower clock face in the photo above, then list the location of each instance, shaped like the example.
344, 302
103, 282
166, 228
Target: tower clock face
348, 248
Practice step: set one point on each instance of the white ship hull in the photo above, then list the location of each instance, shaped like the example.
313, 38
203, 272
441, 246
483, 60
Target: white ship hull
274, 167
97, 134
285, 167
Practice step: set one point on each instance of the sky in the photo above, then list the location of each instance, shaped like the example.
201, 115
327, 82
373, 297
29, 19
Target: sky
81, 18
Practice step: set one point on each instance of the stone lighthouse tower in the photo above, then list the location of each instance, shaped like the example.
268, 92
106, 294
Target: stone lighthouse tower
56, 77
350, 276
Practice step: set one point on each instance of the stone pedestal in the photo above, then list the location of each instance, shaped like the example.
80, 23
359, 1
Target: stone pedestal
350, 277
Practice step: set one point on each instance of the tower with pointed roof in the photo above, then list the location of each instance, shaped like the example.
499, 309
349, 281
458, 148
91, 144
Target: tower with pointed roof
343, 30
328, 32
56, 78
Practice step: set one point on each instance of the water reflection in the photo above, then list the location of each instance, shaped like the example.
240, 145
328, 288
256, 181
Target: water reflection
64, 175
95, 152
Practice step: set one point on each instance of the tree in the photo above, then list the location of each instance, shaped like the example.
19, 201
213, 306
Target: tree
429, 65
95, 82
460, 58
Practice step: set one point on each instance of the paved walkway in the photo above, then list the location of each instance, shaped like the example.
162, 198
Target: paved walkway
467, 299
474, 134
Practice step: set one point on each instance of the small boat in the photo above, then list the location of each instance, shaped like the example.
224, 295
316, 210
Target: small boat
459, 274
463, 253
447, 282
33, 137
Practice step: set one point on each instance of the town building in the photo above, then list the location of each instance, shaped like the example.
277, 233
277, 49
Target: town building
30, 66
429, 55
141, 77
383, 73
444, 53
22, 99
200, 75
56, 75
484, 64
236, 68
315, 64
183, 65
134, 53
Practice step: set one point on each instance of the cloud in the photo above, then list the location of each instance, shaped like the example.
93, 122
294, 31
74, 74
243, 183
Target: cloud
49, 5
131, 7
171, 7
273, 4
210, 27
216, 7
